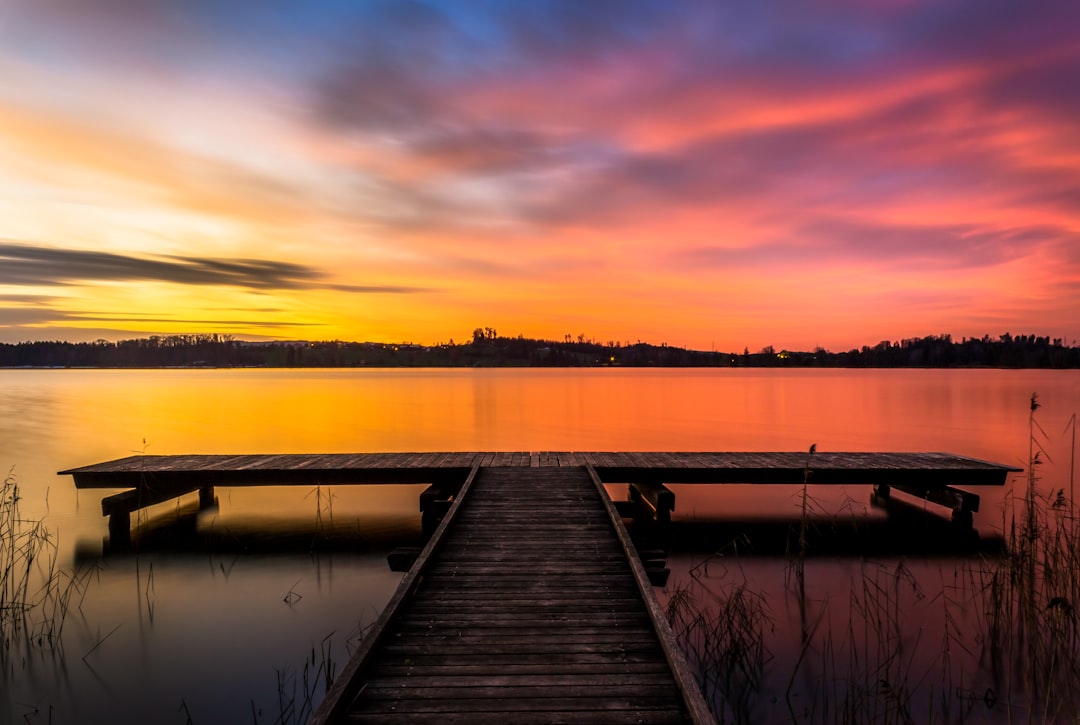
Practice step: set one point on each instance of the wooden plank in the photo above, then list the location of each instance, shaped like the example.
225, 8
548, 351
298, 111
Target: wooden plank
545, 717
454, 637
465, 599
551, 666
507, 696
554, 661
560, 609
514, 597
542, 703
595, 630
536, 564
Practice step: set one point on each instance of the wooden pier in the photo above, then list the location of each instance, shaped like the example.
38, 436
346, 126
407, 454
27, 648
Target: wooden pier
154, 479
522, 609
528, 604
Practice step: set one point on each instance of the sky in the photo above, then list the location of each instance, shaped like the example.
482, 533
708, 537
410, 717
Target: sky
715, 175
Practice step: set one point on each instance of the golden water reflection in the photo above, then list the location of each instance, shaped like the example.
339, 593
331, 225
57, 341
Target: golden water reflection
217, 597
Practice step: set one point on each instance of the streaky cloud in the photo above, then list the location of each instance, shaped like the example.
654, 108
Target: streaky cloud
385, 289
50, 317
74, 317
28, 265
838, 241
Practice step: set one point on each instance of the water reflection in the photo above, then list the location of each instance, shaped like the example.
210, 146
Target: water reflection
192, 528
905, 529
217, 582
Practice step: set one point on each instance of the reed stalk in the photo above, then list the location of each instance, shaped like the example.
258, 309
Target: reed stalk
299, 694
34, 593
725, 642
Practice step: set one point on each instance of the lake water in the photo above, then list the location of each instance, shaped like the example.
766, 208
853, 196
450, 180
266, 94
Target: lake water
212, 614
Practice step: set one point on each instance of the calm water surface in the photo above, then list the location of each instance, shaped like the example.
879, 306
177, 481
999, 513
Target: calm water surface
213, 613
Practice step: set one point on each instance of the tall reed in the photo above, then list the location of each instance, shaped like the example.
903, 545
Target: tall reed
299, 693
725, 642
35, 593
1030, 627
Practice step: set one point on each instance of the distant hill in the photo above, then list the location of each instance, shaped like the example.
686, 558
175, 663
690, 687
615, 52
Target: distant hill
487, 349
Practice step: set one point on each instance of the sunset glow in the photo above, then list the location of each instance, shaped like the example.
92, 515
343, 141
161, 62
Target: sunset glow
707, 175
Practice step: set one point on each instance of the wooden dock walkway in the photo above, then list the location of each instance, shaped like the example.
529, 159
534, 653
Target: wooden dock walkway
527, 606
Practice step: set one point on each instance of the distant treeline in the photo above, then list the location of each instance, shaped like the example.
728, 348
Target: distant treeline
487, 349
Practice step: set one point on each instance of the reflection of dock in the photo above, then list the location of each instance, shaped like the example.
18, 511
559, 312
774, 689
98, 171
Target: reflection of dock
528, 603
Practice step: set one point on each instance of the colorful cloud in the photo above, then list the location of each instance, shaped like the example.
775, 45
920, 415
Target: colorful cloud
736, 174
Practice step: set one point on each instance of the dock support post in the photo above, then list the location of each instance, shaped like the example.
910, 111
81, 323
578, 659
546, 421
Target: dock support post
652, 505
206, 497
120, 528
429, 521
660, 500
963, 519
435, 501
642, 513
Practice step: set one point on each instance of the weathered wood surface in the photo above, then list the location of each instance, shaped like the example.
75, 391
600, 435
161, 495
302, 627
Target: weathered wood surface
526, 608
194, 471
